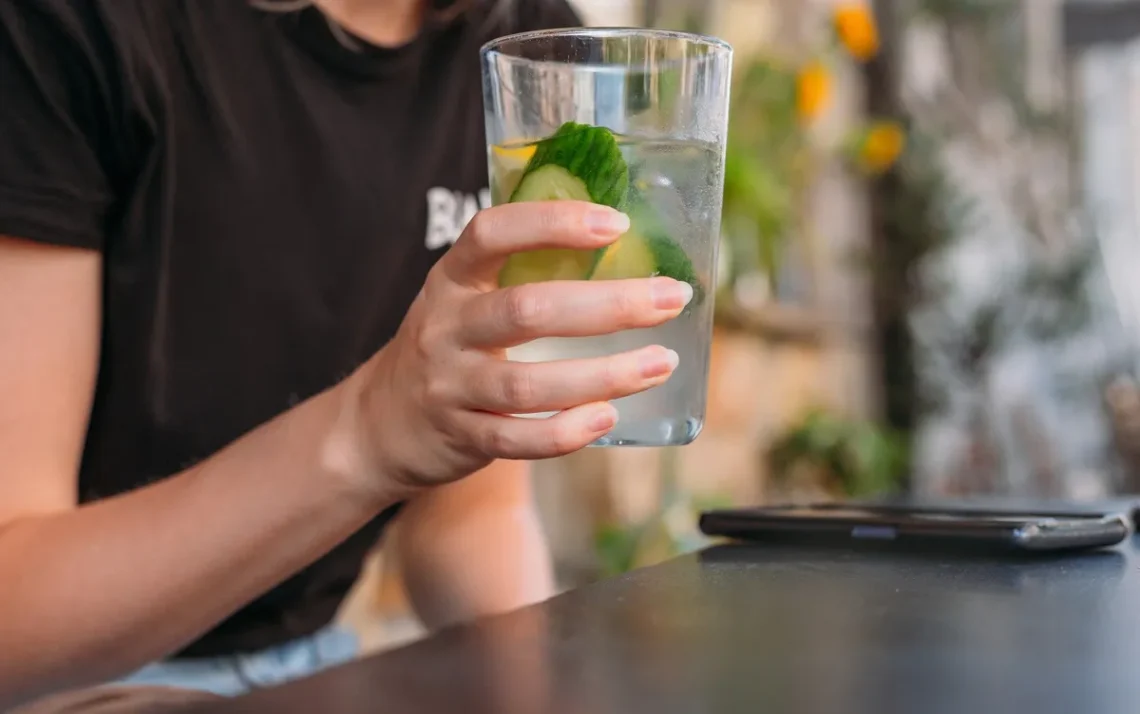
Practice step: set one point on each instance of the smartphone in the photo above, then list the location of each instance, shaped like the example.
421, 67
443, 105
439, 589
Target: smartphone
968, 528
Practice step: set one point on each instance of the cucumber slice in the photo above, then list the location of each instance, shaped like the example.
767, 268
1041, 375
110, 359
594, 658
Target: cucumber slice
590, 154
629, 257
580, 163
538, 266
642, 255
672, 262
647, 251
550, 183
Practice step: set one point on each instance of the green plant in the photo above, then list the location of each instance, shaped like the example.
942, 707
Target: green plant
774, 151
765, 165
855, 458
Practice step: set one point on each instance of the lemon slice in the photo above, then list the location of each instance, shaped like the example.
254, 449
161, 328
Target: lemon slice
507, 166
644, 252
577, 162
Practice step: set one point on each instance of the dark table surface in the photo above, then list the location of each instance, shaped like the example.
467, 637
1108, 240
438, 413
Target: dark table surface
777, 629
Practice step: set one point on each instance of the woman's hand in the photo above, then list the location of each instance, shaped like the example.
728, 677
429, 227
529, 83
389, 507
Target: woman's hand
434, 405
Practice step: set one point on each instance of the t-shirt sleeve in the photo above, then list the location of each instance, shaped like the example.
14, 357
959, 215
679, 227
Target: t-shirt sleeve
53, 184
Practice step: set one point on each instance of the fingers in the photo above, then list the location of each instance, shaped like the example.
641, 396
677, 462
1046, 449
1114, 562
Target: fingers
497, 232
505, 318
530, 439
528, 388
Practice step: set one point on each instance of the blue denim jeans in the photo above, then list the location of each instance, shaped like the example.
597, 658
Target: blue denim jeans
233, 675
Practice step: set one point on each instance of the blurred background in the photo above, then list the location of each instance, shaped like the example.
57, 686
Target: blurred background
931, 214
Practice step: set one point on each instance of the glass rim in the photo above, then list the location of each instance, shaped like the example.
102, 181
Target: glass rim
494, 46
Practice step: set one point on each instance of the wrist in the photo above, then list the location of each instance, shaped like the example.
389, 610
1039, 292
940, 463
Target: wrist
352, 450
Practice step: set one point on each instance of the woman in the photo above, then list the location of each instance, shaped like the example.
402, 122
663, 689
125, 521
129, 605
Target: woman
235, 342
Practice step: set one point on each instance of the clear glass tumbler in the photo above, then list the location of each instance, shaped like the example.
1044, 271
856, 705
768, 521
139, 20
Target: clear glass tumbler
637, 120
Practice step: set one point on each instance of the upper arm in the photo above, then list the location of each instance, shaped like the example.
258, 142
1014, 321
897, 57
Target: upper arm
49, 329
501, 489
54, 197
473, 547
461, 511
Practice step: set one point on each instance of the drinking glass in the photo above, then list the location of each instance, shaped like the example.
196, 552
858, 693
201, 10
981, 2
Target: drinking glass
635, 119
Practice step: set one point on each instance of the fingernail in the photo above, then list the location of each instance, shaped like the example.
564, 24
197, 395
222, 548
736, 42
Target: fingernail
607, 222
658, 363
604, 420
669, 294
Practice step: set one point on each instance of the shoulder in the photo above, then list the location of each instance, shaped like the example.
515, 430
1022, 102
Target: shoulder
86, 47
108, 29
91, 26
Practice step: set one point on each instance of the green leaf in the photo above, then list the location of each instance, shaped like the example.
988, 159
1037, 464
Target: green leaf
615, 547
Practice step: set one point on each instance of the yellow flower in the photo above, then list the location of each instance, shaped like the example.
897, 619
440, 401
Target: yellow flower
856, 28
813, 91
881, 147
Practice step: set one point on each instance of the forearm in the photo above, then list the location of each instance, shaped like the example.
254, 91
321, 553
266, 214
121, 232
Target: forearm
95, 592
471, 562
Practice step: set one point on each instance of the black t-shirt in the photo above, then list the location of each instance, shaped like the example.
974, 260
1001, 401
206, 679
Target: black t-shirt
268, 194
